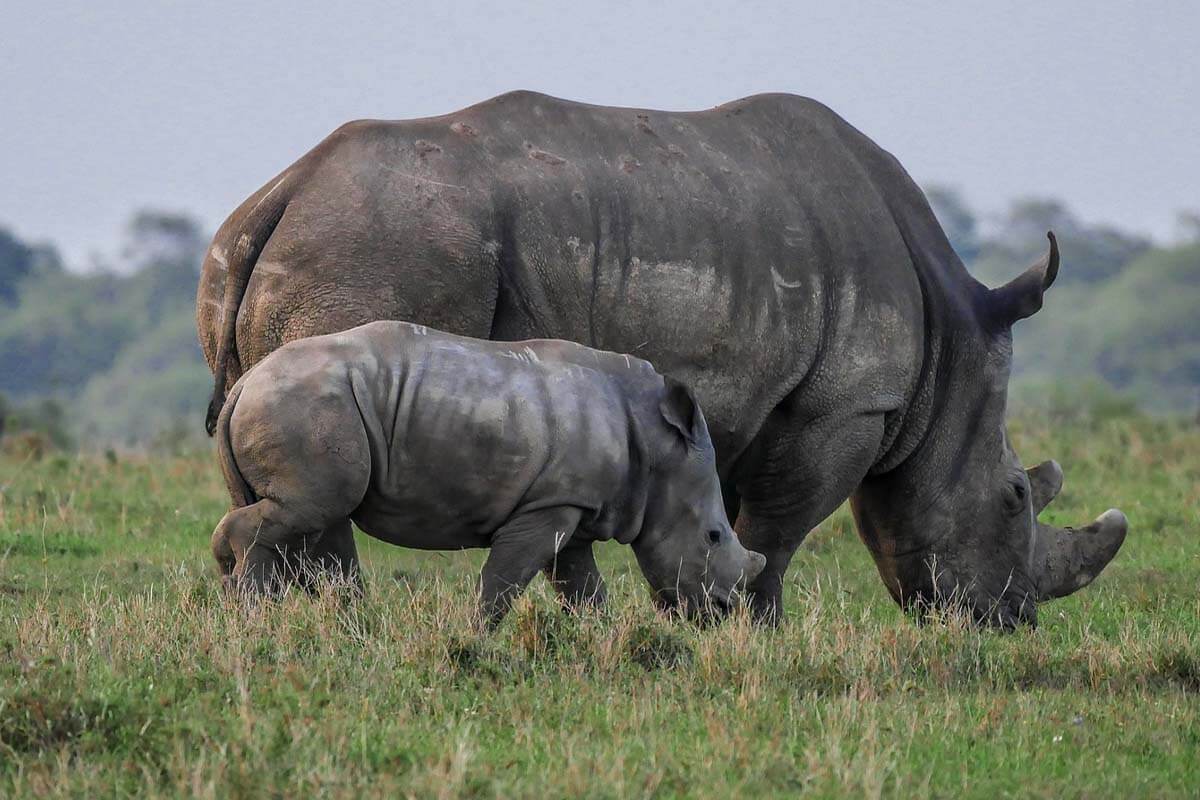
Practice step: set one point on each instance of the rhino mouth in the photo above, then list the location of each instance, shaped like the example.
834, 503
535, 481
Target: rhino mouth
721, 603
714, 606
1005, 614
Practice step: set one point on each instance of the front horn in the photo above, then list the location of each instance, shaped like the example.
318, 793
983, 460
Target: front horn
1066, 560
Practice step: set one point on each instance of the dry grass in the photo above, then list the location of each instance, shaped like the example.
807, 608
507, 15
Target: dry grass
123, 670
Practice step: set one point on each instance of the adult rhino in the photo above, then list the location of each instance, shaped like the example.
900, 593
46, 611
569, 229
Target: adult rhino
764, 252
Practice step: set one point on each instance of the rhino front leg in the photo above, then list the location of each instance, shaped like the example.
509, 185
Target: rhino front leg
576, 578
523, 546
800, 477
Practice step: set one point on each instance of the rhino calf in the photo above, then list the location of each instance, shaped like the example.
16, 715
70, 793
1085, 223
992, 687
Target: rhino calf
424, 439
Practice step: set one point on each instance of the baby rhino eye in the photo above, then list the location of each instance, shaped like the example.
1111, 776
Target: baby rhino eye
714, 537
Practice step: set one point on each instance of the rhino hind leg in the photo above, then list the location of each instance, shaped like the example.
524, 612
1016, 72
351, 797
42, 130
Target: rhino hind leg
268, 545
223, 552
332, 558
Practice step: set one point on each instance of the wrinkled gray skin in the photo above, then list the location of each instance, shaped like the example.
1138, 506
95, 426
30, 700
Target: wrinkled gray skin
763, 252
424, 439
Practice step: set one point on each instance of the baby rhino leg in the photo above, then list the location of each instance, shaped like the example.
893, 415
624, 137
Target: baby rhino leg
223, 553
334, 557
576, 578
523, 546
257, 546
314, 463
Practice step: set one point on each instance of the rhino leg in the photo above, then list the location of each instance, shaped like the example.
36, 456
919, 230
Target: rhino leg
525, 545
335, 557
268, 545
798, 478
223, 553
576, 578
310, 451
732, 499
245, 546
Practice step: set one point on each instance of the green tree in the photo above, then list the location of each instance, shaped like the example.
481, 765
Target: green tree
957, 220
162, 254
70, 327
1137, 331
1187, 225
1091, 253
16, 261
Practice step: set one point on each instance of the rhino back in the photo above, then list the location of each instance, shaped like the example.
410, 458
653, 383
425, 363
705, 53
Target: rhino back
744, 249
466, 433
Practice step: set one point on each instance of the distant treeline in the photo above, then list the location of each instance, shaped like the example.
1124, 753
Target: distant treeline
108, 356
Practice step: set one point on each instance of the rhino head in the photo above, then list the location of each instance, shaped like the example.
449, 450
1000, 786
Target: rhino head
956, 522
687, 549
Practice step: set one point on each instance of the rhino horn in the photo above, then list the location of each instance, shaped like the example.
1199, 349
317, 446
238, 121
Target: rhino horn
1066, 559
1022, 296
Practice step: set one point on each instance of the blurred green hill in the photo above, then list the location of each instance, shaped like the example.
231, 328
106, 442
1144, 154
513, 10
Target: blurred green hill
1123, 318
108, 356
110, 353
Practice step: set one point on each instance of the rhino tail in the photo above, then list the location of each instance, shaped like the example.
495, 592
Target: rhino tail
246, 242
239, 491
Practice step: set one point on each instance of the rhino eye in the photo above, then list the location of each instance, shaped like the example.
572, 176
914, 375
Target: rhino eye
1015, 499
714, 537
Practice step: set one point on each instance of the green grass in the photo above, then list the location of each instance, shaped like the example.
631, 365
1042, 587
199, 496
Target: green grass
123, 671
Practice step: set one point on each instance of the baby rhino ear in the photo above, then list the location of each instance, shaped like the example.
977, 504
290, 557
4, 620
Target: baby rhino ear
681, 412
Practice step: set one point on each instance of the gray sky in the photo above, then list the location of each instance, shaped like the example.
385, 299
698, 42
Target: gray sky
105, 107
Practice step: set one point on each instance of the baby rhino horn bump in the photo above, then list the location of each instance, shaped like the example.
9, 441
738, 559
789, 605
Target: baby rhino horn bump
1066, 560
755, 562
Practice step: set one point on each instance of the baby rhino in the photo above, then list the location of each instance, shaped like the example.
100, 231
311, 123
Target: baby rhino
425, 439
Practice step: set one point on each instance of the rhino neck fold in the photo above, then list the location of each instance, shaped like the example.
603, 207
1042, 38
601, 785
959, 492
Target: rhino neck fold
953, 332
954, 419
627, 509
956, 396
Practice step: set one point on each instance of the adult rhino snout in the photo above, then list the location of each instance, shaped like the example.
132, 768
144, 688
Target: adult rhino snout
1068, 559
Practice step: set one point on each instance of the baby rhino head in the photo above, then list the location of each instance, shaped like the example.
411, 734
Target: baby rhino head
687, 548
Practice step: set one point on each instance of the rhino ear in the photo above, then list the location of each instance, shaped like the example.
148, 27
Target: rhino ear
1022, 296
681, 411
1045, 482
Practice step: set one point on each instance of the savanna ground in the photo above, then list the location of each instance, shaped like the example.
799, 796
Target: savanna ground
123, 671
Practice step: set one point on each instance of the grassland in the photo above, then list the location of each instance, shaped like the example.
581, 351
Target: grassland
122, 670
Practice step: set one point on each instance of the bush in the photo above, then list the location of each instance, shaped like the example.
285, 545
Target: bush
35, 428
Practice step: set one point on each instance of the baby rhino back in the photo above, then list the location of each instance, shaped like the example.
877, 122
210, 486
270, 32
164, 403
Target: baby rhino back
464, 433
